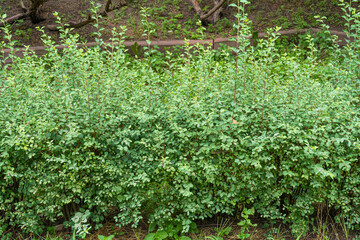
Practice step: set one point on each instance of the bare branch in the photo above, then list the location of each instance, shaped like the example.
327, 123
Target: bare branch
13, 18
216, 15
23, 6
89, 18
16, 17
197, 7
205, 16
216, 9
34, 10
107, 6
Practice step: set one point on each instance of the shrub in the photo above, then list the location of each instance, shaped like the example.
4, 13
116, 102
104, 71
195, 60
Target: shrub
86, 130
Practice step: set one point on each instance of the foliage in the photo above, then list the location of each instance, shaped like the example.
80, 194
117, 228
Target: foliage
86, 130
101, 237
246, 223
171, 230
79, 223
222, 230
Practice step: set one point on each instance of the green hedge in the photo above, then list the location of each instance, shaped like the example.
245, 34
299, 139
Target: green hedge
90, 130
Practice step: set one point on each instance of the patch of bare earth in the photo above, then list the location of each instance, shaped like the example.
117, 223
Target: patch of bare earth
173, 19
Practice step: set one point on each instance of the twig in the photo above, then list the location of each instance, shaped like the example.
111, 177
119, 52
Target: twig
199, 12
211, 12
13, 18
89, 18
23, 7
197, 7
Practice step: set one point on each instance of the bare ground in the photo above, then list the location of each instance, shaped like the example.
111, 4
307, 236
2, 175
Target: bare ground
174, 19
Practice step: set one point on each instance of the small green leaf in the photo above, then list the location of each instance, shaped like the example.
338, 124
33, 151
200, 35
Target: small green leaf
150, 236
184, 238
161, 235
152, 227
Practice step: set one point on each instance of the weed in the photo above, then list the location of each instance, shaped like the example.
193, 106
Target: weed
222, 230
79, 224
172, 230
275, 234
137, 233
246, 223
101, 237
298, 19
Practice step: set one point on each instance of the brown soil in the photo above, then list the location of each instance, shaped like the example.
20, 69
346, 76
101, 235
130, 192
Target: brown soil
174, 19
209, 229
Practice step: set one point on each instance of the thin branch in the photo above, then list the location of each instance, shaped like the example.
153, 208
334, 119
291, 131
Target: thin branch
89, 18
216, 14
199, 12
23, 7
211, 12
197, 7
17, 16
107, 6
14, 18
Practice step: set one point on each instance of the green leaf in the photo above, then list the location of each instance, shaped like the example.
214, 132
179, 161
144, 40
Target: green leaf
101, 237
227, 230
184, 238
161, 235
152, 226
150, 236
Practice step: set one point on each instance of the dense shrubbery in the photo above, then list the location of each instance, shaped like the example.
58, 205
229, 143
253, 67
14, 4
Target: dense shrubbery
95, 130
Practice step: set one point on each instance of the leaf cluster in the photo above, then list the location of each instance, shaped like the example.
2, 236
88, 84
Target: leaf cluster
85, 130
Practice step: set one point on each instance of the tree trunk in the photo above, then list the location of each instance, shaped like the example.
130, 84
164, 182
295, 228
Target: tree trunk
34, 11
34, 16
216, 16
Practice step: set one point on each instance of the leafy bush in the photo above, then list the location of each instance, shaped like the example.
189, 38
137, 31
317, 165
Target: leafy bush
87, 131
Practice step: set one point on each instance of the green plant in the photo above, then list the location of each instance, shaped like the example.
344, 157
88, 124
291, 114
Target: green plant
275, 234
246, 223
322, 222
87, 129
135, 27
79, 224
170, 231
298, 19
282, 22
222, 230
157, 11
136, 49
101, 237
213, 237
148, 32
137, 234
149, 27
347, 224
159, 235
356, 237
20, 32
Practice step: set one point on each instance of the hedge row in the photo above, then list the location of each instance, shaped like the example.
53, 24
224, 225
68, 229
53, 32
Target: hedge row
95, 130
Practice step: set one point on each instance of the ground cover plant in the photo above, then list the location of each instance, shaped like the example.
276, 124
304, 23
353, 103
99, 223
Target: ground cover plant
86, 131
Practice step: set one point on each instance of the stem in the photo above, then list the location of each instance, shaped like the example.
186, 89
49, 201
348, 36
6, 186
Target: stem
236, 69
263, 106
88, 102
236, 61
